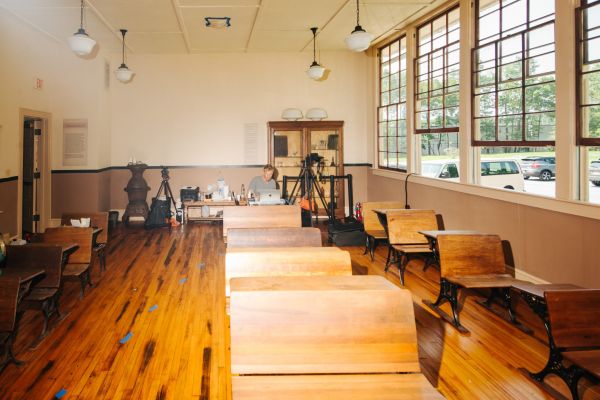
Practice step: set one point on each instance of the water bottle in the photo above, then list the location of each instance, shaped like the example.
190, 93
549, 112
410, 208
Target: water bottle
243, 193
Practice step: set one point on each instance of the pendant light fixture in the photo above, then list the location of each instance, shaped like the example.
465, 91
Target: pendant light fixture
359, 39
80, 43
123, 74
315, 71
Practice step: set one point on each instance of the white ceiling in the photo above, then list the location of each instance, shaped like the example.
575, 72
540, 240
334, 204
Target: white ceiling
177, 26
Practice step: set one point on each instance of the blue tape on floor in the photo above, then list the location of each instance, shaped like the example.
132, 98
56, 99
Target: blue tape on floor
60, 393
154, 307
126, 338
182, 281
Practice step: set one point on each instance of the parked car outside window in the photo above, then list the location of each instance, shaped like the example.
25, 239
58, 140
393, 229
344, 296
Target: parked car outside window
496, 173
594, 173
543, 168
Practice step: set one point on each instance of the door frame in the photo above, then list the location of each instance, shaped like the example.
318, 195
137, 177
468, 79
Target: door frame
45, 187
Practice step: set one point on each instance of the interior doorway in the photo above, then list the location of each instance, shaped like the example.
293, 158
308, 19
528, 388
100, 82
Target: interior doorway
34, 188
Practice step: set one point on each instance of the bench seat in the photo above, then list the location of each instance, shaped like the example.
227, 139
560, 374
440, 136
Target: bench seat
334, 387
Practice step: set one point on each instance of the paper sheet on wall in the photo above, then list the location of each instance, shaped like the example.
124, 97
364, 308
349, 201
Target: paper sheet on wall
251, 143
75, 133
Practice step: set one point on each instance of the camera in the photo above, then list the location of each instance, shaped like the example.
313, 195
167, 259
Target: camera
313, 158
164, 172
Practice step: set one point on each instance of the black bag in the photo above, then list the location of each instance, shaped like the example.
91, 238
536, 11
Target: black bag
159, 215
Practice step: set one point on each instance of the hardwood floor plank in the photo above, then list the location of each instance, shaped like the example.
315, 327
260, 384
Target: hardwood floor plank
180, 349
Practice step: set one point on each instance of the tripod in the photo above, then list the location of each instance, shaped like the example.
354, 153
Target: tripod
307, 183
160, 210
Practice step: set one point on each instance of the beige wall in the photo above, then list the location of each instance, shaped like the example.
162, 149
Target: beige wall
550, 245
73, 88
191, 109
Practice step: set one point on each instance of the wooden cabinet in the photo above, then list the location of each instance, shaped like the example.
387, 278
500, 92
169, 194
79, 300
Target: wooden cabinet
290, 142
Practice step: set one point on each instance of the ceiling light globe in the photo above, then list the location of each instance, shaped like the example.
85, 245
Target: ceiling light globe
123, 74
315, 71
81, 44
359, 40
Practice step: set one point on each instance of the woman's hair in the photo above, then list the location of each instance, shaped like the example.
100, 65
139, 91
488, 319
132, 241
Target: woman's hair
268, 167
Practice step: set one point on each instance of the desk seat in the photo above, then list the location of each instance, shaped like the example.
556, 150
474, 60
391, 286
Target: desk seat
485, 281
334, 387
588, 360
408, 248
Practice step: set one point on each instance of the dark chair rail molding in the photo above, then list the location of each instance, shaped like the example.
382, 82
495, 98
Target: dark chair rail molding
8, 179
95, 171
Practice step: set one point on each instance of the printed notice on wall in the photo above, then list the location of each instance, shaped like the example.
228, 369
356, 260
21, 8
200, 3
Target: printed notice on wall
75, 133
250, 143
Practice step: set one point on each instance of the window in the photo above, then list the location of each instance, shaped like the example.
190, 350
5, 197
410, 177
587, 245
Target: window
514, 96
437, 87
588, 68
391, 112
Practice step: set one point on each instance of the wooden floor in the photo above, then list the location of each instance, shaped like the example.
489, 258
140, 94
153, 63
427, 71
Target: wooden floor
178, 350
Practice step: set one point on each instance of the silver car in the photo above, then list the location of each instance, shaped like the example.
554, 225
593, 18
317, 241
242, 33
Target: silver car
594, 173
543, 168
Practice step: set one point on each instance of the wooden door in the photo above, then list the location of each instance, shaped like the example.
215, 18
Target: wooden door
31, 175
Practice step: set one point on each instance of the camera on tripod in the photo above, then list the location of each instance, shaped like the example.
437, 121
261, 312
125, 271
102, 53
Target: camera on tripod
164, 173
160, 210
313, 158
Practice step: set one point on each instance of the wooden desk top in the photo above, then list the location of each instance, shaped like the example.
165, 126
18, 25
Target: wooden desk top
216, 203
435, 234
386, 210
66, 248
24, 274
538, 290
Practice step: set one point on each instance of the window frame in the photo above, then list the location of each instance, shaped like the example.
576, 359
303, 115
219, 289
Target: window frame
428, 56
401, 84
529, 26
580, 140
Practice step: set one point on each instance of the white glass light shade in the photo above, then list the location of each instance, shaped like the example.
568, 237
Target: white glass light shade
292, 114
123, 74
359, 40
315, 71
81, 44
316, 114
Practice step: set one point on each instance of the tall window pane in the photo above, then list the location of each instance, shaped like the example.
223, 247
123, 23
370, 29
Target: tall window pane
391, 113
437, 83
514, 74
588, 18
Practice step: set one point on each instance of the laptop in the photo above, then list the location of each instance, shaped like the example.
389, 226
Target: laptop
269, 196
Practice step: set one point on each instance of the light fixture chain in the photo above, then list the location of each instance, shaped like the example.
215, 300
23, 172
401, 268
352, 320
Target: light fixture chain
357, 14
315, 45
81, 19
123, 50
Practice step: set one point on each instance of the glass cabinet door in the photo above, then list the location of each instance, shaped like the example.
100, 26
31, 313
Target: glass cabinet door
292, 142
288, 149
326, 143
